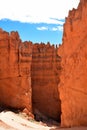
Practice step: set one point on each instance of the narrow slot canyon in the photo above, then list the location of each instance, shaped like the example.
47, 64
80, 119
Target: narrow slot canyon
46, 82
29, 82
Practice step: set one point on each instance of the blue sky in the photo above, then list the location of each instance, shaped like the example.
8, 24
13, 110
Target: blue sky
36, 20
39, 32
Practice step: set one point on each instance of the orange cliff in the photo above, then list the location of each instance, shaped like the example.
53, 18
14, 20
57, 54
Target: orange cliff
15, 73
73, 79
29, 76
45, 79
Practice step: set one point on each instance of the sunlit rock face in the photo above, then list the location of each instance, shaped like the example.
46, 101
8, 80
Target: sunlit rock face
29, 76
15, 71
73, 51
45, 79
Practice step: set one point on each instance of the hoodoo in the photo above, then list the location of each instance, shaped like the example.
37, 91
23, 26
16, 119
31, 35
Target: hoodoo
29, 76
73, 79
15, 76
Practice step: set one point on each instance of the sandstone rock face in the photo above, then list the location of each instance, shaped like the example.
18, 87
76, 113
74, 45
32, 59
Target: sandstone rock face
29, 74
45, 79
15, 71
73, 85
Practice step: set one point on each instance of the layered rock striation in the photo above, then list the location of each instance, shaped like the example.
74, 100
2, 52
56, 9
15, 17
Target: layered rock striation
15, 72
45, 79
73, 51
29, 76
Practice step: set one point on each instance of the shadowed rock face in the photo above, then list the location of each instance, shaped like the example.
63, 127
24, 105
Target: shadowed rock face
15, 77
73, 85
45, 79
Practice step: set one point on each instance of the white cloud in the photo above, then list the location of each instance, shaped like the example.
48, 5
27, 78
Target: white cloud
42, 28
36, 11
58, 28
54, 29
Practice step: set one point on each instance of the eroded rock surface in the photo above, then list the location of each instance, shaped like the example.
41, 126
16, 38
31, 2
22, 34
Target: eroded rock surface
15, 71
29, 74
73, 86
45, 79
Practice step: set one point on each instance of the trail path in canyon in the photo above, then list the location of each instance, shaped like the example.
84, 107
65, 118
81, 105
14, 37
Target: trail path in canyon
12, 121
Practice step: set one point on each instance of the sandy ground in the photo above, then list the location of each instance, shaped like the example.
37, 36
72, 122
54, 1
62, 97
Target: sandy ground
12, 121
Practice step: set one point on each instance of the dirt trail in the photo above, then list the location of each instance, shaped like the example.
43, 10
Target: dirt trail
12, 121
